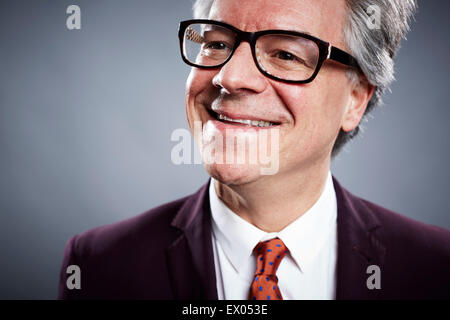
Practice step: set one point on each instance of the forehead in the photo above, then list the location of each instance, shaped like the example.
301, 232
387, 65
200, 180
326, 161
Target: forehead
322, 18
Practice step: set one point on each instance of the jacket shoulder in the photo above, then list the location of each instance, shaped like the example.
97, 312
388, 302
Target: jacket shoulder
414, 249
153, 224
417, 260
114, 259
413, 257
392, 227
400, 228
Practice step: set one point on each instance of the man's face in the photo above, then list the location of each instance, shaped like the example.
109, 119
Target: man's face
309, 115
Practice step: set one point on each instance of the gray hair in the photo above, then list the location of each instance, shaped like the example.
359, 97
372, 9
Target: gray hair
374, 48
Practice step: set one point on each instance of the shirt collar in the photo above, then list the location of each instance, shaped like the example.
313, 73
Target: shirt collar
304, 237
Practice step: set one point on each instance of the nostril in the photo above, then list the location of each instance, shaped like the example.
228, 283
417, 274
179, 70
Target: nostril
217, 83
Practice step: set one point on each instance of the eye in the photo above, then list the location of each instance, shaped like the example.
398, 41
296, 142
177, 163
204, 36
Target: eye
216, 45
284, 55
288, 59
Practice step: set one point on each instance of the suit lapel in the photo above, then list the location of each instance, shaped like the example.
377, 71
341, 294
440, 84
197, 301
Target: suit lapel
190, 257
359, 246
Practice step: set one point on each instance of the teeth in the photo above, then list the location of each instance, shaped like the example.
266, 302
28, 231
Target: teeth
254, 123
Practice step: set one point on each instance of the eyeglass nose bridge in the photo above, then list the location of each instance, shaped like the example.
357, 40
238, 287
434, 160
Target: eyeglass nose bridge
250, 38
245, 36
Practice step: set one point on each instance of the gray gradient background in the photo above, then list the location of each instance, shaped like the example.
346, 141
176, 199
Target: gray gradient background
86, 118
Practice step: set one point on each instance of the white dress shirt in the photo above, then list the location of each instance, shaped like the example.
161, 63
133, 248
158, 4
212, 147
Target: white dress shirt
308, 271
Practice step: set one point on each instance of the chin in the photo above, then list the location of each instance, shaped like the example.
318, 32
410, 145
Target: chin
236, 174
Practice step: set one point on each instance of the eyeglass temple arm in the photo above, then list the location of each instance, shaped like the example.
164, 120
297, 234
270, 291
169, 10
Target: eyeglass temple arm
193, 35
343, 57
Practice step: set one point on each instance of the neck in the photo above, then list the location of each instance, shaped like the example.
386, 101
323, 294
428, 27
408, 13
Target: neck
273, 202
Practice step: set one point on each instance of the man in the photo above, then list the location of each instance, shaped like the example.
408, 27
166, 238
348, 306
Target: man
298, 75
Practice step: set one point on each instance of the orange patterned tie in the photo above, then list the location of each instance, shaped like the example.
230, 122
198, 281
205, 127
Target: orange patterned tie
265, 282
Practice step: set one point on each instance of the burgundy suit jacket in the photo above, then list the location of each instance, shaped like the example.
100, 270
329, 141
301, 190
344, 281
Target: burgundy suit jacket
166, 253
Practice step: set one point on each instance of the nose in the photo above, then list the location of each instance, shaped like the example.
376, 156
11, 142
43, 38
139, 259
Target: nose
240, 73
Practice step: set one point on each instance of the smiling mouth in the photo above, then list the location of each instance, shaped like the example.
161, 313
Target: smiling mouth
245, 122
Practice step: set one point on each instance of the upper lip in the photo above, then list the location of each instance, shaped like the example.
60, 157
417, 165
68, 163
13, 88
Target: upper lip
241, 116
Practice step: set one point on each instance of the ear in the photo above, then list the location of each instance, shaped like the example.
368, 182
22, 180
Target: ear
360, 95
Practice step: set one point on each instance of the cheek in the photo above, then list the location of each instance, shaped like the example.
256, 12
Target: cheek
195, 81
336, 99
303, 103
317, 110
199, 82
198, 88
319, 104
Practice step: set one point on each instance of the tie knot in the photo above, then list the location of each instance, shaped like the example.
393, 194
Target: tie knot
269, 254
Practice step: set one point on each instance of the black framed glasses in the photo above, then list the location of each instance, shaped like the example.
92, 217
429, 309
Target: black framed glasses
283, 55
